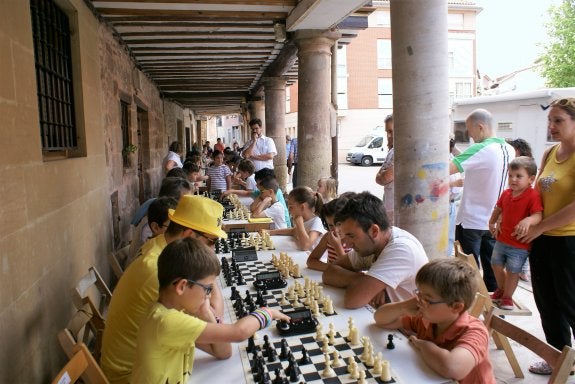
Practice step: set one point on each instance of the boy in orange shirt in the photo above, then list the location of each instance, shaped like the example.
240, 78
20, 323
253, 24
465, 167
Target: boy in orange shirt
452, 342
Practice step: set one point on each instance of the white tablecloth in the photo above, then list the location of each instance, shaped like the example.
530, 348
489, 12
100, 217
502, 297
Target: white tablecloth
404, 360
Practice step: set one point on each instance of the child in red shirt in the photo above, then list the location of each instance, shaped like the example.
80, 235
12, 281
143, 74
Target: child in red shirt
518, 208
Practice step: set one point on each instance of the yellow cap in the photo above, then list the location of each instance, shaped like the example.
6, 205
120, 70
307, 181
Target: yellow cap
200, 213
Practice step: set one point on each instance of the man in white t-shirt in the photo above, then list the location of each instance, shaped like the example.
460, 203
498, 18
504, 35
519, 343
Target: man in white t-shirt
485, 165
260, 149
384, 260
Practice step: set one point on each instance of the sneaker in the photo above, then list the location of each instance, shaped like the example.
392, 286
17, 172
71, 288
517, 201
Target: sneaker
541, 368
524, 276
506, 303
498, 294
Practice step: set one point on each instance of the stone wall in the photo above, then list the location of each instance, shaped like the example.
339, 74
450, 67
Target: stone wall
56, 217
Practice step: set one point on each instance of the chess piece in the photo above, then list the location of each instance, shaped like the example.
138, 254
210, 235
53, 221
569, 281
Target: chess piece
328, 307
331, 334
390, 344
251, 345
350, 326
361, 378
377, 364
336, 362
350, 362
305, 359
284, 301
328, 370
284, 350
354, 371
278, 377
319, 332
385, 371
325, 348
355, 336
365, 353
272, 354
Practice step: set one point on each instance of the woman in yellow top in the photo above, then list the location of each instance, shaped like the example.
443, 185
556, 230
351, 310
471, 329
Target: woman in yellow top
552, 256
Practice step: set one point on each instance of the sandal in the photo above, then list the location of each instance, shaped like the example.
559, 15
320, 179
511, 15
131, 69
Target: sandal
541, 368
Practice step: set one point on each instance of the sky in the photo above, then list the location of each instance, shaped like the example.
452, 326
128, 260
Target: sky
508, 32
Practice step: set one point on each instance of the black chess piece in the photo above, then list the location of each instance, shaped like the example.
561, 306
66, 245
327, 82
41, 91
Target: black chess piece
284, 349
251, 344
278, 377
305, 359
272, 354
260, 299
266, 344
390, 344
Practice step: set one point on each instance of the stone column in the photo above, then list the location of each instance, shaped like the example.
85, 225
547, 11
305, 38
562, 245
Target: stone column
421, 121
275, 110
314, 104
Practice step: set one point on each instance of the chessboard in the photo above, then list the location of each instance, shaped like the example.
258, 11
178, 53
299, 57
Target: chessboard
241, 305
243, 273
304, 360
238, 240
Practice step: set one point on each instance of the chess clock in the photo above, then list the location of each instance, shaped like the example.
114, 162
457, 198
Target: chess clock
269, 280
245, 254
302, 321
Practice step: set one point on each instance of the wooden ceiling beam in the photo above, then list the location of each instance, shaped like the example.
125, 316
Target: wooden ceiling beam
286, 3
179, 18
267, 24
244, 49
207, 34
183, 13
264, 42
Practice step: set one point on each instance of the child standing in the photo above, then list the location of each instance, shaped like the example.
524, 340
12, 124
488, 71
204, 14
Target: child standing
182, 318
269, 206
304, 204
327, 188
220, 175
519, 207
452, 342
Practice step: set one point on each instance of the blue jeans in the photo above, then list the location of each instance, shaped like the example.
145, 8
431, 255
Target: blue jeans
508, 256
480, 243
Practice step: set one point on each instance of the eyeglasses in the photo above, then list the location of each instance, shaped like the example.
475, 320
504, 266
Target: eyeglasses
211, 240
426, 302
207, 288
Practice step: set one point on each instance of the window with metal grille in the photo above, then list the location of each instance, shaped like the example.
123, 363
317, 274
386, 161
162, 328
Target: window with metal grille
125, 126
53, 56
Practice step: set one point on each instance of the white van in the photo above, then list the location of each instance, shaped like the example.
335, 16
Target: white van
370, 150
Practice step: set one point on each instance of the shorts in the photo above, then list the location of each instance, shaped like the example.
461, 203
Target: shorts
512, 258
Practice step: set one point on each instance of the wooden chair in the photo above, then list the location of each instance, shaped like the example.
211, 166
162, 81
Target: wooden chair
488, 305
478, 305
561, 361
118, 260
84, 327
81, 364
92, 286
518, 308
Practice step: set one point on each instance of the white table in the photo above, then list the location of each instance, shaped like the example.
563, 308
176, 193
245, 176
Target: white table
404, 360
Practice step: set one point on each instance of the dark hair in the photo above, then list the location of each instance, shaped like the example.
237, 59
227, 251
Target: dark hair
388, 118
176, 147
174, 187
158, 210
366, 209
246, 165
306, 195
524, 162
216, 153
255, 121
567, 104
177, 172
263, 173
331, 208
186, 258
451, 278
190, 167
521, 146
270, 183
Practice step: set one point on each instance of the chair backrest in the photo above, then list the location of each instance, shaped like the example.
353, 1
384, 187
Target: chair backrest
92, 286
470, 259
85, 326
560, 361
81, 364
118, 260
478, 306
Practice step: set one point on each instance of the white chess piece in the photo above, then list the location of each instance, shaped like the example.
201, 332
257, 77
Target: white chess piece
354, 336
331, 333
361, 378
328, 306
350, 362
328, 370
319, 332
377, 364
336, 362
354, 371
385, 371
365, 353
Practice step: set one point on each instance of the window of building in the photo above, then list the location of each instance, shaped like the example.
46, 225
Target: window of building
342, 78
383, 53
125, 127
382, 19
60, 133
385, 93
455, 21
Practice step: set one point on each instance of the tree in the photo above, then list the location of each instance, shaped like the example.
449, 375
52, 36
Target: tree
558, 60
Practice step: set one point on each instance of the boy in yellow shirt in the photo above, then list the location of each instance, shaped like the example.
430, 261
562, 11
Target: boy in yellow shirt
182, 318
